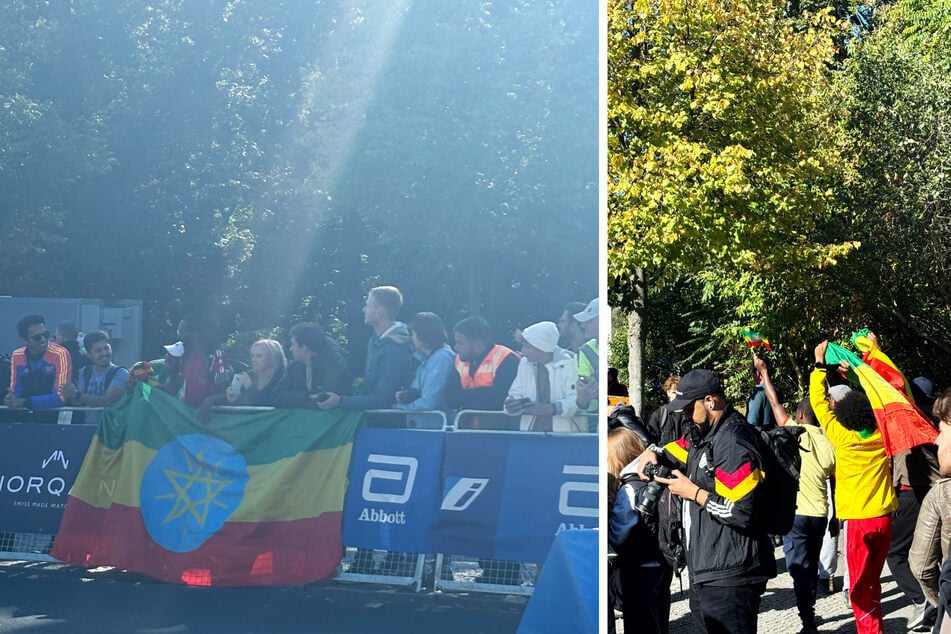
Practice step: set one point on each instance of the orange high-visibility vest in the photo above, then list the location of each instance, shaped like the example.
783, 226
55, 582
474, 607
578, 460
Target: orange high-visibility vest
485, 374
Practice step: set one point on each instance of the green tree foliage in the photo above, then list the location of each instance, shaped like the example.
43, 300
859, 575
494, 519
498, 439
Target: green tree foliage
270, 161
899, 87
725, 142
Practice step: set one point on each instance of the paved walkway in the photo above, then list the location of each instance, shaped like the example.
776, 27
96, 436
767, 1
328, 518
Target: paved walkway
778, 609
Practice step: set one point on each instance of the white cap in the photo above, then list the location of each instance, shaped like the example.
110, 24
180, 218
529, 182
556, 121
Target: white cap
839, 391
590, 312
176, 349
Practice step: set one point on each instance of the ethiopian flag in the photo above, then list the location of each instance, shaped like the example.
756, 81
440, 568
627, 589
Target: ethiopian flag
901, 423
881, 363
242, 500
754, 339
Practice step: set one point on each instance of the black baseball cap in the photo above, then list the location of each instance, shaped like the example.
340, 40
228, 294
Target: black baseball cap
694, 385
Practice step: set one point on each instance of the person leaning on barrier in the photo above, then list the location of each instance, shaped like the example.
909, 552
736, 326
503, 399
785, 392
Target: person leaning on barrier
258, 386
427, 391
717, 468
39, 370
317, 369
484, 370
100, 384
389, 354
544, 388
206, 371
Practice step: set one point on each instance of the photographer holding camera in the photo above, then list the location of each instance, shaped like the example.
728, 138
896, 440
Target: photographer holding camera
717, 468
643, 572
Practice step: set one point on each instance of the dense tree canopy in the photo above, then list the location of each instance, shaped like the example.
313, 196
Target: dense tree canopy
773, 167
270, 161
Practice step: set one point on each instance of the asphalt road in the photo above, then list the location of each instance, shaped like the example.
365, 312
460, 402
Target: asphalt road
53, 597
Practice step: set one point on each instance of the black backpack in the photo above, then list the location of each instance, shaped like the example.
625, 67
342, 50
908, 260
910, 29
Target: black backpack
782, 461
667, 525
626, 416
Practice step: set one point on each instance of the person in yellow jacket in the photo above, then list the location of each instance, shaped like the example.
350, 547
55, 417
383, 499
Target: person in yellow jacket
864, 494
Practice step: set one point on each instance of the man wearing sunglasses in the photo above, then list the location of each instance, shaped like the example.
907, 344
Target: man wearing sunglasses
40, 368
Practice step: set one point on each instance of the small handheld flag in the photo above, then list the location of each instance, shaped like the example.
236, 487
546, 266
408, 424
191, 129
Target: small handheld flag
754, 339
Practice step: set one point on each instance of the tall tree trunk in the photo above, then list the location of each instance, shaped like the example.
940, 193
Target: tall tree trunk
635, 341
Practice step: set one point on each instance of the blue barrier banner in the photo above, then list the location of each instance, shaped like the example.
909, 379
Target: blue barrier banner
393, 494
38, 465
506, 495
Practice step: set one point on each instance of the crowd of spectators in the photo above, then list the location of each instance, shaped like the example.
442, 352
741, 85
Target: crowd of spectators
410, 367
853, 494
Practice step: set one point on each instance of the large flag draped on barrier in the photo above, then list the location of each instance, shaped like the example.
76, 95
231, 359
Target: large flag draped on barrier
901, 423
243, 500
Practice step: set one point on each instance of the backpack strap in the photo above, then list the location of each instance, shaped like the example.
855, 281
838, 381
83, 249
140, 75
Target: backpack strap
110, 375
85, 376
592, 357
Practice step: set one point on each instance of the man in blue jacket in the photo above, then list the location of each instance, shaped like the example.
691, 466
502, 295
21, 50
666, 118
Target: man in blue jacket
389, 354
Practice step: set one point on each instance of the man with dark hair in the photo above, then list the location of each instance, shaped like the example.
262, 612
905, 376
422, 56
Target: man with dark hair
100, 384
864, 495
389, 354
484, 370
66, 336
717, 470
571, 335
615, 387
318, 367
39, 369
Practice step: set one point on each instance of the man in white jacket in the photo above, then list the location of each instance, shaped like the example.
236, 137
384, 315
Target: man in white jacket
544, 390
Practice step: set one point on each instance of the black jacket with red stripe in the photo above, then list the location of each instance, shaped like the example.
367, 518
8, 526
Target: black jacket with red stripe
725, 547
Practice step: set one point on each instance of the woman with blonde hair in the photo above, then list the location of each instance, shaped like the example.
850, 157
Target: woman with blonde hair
257, 386
632, 532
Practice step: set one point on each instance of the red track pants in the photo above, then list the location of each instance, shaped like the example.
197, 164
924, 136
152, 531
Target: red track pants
866, 546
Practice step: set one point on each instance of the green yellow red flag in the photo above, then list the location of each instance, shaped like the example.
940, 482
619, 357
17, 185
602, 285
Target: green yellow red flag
880, 362
242, 500
754, 339
902, 424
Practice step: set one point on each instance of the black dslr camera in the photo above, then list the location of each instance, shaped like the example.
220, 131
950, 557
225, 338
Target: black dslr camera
648, 504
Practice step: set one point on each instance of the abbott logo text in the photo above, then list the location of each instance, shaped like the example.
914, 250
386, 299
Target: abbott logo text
374, 494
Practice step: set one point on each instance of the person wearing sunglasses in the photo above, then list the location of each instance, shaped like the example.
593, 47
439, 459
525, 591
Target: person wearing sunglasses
40, 368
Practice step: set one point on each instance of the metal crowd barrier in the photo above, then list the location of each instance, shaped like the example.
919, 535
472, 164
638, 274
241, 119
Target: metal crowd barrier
58, 415
449, 572
387, 566
464, 573
33, 546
